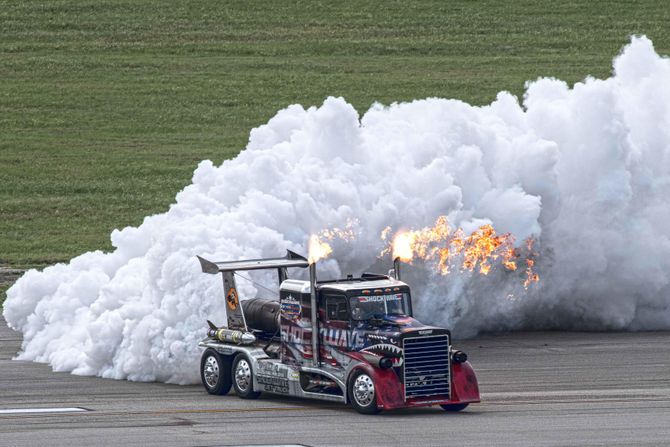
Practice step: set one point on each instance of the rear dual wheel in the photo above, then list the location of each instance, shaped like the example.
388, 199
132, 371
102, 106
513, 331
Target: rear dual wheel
220, 372
215, 372
243, 378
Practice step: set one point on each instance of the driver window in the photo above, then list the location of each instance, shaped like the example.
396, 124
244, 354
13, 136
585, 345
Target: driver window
336, 308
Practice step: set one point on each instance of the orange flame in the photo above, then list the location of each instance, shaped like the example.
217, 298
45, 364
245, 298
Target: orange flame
318, 247
402, 247
531, 276
444, 246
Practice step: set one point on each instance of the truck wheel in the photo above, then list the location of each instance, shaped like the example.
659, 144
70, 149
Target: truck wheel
243, 378
215, 372
454, 407
362, 393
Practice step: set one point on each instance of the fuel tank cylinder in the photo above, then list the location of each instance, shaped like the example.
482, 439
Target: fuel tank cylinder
261, 314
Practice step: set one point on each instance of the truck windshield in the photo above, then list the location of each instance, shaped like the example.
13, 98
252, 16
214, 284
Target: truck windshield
364, 307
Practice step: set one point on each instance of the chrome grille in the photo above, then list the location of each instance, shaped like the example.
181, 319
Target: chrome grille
426, 366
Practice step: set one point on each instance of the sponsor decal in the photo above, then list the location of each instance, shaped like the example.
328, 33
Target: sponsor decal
380, 298
232, 299
290, 308
273, 384
272, 369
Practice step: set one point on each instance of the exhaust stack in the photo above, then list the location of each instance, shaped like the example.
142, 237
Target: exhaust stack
396, 268
315, 324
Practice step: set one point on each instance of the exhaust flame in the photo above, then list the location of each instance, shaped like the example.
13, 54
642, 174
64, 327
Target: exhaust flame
318, 246
531, 276
443, 246
402, 247
318, 249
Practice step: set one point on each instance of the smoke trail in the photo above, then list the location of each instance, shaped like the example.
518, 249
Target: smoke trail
585, 170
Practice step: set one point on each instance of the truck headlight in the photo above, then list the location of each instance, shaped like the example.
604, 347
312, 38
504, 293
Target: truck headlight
459, 357
386, 363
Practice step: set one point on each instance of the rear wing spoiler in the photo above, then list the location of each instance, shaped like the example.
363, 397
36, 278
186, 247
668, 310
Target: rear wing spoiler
290, 260
236, 319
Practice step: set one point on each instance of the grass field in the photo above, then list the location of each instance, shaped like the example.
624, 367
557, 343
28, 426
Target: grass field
106, 107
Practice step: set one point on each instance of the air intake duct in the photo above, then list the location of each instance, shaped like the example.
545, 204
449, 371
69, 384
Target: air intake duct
261, 314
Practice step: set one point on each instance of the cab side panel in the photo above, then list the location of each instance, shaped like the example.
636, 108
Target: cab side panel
296, 328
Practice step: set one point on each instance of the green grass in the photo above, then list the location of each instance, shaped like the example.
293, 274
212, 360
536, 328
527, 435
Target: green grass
106, 107
3, 292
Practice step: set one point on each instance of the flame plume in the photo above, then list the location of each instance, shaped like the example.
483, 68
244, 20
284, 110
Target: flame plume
531, 276
318, 245
318, 249
444, 246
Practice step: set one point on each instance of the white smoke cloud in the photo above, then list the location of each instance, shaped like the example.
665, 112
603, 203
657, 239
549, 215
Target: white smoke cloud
585, 170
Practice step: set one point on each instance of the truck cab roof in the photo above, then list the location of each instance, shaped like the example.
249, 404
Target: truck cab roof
367, 281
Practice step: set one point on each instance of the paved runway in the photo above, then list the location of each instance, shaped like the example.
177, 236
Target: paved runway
547, 388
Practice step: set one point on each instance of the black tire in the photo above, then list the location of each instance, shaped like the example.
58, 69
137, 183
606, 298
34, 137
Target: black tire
454, 407
362, 393
242, 376
215, 372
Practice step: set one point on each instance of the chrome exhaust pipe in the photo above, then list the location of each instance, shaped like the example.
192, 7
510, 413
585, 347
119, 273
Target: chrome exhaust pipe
315, 324
396, 268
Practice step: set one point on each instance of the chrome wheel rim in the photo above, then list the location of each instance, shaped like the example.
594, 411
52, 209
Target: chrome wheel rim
243, 375
364, 390
211, 371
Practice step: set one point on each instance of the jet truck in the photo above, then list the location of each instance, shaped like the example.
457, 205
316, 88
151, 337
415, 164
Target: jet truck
351, 340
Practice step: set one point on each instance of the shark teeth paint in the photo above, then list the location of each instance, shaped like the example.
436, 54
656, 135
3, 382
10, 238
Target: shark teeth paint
387, 350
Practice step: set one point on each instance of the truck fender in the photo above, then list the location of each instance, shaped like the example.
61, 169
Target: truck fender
388, 388
464, 383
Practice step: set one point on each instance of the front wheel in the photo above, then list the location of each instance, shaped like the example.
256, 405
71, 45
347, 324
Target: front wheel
215, 372
362, 394
243, 378
454, 407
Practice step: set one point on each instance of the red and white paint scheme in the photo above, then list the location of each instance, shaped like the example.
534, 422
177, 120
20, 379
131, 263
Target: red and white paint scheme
350, 340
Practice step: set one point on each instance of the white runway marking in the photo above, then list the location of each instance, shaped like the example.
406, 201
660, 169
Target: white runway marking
41, 410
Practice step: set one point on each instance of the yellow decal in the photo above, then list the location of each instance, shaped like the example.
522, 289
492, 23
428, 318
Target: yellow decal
232, 299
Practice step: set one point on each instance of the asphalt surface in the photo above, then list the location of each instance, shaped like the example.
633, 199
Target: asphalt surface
547, 388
